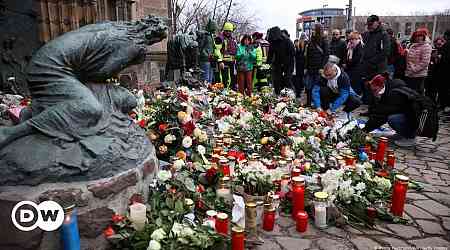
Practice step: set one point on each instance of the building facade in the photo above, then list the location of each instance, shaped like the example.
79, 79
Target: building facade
28, 24
330, 18
403, 26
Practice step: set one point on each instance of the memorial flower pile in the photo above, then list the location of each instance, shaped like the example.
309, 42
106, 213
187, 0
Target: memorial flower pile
224, 150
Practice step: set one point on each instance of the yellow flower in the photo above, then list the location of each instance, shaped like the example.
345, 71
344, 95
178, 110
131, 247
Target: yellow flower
181, 116
264, 140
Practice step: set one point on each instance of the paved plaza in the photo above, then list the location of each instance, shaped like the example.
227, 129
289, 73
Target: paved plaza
428, 210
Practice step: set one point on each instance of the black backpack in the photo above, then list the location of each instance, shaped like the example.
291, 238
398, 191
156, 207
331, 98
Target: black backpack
425, 112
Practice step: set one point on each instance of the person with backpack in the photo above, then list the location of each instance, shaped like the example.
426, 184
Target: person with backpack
418, 57
353, 65
316, 57
407, 112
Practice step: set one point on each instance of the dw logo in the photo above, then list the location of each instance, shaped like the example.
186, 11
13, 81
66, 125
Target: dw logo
27, 215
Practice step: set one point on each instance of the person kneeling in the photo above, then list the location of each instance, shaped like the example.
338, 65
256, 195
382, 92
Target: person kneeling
334, 90
393, 107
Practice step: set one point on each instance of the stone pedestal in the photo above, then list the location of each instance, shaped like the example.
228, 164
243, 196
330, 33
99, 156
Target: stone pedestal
96, 202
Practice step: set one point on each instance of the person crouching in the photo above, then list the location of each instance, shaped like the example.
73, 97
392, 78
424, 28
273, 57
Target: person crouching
393, 107
334, 91
245, 59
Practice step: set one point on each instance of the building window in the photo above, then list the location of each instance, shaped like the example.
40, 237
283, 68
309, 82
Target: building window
408, 27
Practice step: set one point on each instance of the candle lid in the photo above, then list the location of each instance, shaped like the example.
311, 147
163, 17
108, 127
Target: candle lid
250, 204
226, 179
302, 215
384, 139
402, 177
237, 229
321, 195
285, 177
298, 180
211, 213
222, 216
223, 161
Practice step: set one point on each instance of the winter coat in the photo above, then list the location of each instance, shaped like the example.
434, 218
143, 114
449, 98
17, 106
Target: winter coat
391, 102
316, 56
377, 49
417, 60
344, 87
354, 65
281, 51
245, 58
227, 47
338, 47
299, 60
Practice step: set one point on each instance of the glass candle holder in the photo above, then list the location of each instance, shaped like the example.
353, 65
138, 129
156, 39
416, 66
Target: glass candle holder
390, 161
295, 172
211, 218
320, 209
302, 221
285, 183
399, 195
298, 195
237, 238
224, 167
381, 149
371, 214
138, 215
69, 230
250, 219
222, 223
269, 217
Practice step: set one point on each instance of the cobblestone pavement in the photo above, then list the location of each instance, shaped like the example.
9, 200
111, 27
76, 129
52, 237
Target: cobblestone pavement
428, 210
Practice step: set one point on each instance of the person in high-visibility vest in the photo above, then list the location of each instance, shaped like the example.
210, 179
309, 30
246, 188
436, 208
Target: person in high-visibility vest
226, 47
260, 73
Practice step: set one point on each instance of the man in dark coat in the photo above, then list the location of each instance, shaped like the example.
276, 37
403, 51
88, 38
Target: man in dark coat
377, 49
394, 107
282, 58
338, 47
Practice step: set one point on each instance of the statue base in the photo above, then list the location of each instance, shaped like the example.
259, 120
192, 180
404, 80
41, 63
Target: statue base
96, 202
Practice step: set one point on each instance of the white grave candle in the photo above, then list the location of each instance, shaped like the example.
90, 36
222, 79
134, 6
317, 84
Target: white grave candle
138, 215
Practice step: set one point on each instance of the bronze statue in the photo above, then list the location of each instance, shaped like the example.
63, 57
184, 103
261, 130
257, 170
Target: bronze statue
75, 112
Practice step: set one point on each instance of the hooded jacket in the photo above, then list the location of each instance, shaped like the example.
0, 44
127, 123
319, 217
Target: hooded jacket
377, 49
206, 42
391, 102
281, 50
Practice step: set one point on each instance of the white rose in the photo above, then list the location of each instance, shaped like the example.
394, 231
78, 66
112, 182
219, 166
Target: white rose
164, 175
158, 234
197, 132
154, 245
187, 231
178, 164
168, 139
176, 229
201, 149
187, 142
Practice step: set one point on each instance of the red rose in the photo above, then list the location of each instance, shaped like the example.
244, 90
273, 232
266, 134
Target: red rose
116, 218
197, 114
200, 189
143, 123
188, 128
162, 127
109, 231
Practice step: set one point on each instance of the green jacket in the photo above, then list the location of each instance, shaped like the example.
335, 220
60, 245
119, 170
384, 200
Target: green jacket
245, 58
206, 42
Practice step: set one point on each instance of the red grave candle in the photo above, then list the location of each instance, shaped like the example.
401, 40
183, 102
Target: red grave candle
371, 214
302, 221
237, 238
390, 161
222, 223
295, 172
224, 167
399, 195
298, 195
381, 149
269, 217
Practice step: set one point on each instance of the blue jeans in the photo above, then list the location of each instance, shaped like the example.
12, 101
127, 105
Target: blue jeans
311, 79
207, 74
401, 125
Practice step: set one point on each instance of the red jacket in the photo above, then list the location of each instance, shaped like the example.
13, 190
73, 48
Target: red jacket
417, 60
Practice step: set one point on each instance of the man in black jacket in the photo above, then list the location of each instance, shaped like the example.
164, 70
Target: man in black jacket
394, 107
377, 49
338, 47
281, 56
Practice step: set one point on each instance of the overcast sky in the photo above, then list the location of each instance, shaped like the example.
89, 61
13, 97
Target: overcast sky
283, 13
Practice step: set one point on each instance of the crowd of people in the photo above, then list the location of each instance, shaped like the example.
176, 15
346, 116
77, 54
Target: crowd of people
341, 73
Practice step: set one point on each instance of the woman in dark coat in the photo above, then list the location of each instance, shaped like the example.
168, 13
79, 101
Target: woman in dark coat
353, 65
299, 66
